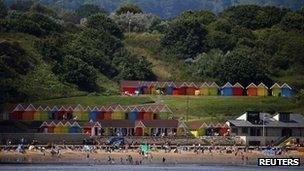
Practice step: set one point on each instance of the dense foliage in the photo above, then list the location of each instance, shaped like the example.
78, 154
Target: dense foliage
128, 8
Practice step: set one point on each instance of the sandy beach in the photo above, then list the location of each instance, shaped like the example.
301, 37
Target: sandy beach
160, 157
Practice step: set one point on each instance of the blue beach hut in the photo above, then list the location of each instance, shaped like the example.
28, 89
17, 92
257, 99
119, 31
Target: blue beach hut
93, 115
286, 90
170, 88
226, 90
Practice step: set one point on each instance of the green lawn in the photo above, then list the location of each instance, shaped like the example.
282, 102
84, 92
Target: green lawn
208, 108
97, 100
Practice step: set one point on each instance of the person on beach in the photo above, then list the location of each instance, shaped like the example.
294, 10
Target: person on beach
164, 160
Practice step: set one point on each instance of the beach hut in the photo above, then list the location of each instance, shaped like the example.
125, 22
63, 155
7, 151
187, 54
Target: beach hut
226, 90
286, 90
16, 114
224, 130
210, 130
252, 90
93, 114
190, 90
237, 89
204, 89
133, 115
38, 114
213, 89
262, 90
182, 88
152, 87
28, 114
74, 128
139, 128
275, 89
129, 87
170, 88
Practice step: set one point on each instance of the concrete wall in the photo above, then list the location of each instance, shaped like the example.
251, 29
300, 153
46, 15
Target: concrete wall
44, 138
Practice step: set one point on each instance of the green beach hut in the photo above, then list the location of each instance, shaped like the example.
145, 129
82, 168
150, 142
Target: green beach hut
275, 89
213, 89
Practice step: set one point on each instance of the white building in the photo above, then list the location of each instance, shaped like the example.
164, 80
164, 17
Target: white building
257, 128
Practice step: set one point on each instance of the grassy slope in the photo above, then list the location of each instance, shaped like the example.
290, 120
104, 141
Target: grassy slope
208, 109
148, 46
97, 100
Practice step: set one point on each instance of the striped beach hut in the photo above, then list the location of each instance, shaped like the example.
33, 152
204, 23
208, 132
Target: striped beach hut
190, 90
262, 90
226, 90
237, 89
286, 90
275, 89
252, 90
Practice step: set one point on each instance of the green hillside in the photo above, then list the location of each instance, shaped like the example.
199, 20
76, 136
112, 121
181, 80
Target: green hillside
207, 109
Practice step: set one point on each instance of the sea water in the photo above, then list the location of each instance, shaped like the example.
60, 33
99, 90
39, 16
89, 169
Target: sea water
140, 168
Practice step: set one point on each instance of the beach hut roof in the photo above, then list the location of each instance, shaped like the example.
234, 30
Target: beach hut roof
67, 123
204, 125
213, 85
40, 108
238, 85
192, 84
262, 85
251, 85
218, 125
139, 124
184, 84
30, 107
227, 85
95, 108
181, 124
88, 108
75, 124
119, 108
47, 108
129, 83
55, 108
62, 108
171, 84
44, 124
225, 126
204, 84
19, 107
60, 123
79, 107
275, 85
211, 125
285, 85
102, 108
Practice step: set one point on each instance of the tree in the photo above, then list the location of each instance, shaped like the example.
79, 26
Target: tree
202, 16
293, 21
221, 24
75, 71
220, 40
185, 38
38, 8
21, 5
87, 10
132, 67
103, 22
129, 7
3, 9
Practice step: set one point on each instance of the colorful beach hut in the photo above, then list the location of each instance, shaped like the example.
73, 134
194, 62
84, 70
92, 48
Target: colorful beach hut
226, 90
170, 88
129, 87
213, 89
262, 90
204, 89
275, 89
16, 114
182, 89
286, 90
237, 89
252, 90
190, 90
28, 114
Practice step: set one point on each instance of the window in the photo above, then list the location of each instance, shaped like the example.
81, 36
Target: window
255, 132
234, 130
244, 130
284, 117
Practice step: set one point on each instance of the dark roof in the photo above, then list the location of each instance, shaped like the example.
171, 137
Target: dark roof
117, 124
169, 123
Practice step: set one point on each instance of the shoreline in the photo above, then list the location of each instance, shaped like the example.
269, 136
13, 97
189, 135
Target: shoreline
101, 158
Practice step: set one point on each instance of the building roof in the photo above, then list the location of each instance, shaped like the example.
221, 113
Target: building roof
296, 120
262, 85
251, 85
227, 85
285, 85
238, 85
275, 85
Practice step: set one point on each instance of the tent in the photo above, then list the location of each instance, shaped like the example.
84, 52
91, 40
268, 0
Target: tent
237, 89
226, 90
286, 90
275, 89
213, 89
252, 90
204, 89
262, 90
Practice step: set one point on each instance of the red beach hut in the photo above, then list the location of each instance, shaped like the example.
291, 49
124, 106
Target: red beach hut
237, 89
